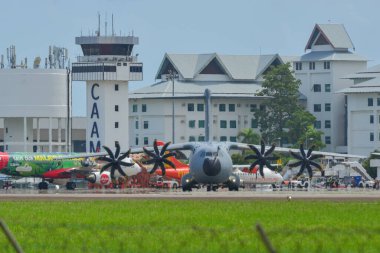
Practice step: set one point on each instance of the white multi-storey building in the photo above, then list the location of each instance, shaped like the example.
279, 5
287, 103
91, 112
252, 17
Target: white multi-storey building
363, 111
321, 71
233, 81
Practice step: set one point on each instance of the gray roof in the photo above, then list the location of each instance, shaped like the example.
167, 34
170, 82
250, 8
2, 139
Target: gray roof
331, 56
369, 86
335, 34
237, 67
196, 89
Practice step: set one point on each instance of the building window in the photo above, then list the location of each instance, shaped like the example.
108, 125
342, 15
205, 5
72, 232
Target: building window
371, 119
327, 87
190, 107
116, 108
254, 123
116, 124
326, 65
191, 138
223, 124
223, 138
231, 107
143, 108
200, 107
370, 101
146, 141
317, 107
232, 123
311, 65
327, 107
253, 107
317, 124
317, 88
201, 138
137, 141
136, 124
327, 124
371, 137
233, 138
327, 139
116, 87
192, 123
222, 107
134, 108
378, 101
146, 124
201, 124
298, 65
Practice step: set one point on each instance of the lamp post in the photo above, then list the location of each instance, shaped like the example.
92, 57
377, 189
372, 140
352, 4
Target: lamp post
171, 76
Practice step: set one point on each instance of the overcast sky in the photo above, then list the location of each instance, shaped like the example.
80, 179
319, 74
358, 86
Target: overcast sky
247, 27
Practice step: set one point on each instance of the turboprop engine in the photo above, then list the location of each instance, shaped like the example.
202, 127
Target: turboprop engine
103, 178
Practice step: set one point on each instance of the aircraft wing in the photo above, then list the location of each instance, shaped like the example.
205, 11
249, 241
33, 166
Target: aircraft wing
244, 146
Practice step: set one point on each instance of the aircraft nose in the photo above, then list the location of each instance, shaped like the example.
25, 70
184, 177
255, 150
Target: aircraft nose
211, 167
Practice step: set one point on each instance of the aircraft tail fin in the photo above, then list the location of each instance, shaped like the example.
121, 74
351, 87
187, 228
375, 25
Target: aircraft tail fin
175, 161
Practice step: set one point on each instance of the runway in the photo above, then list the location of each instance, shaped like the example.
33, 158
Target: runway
152, 194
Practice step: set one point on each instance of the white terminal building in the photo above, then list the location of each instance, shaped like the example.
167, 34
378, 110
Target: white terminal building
233, 81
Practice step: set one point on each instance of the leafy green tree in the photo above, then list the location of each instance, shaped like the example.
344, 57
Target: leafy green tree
274, 113
247, 135
301, 130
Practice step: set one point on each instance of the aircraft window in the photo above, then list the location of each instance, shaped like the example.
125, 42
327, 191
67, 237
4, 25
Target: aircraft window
202, 154
208, 153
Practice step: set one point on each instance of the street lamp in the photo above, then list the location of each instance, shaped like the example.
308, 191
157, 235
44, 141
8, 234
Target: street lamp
171, 76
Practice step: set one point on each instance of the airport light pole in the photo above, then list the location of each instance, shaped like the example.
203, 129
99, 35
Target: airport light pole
171, 76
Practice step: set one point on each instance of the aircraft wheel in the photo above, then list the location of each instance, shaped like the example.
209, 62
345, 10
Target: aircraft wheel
215, 188
208, 188
71, 185
43, 185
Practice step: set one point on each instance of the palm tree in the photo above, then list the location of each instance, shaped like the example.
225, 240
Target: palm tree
247, 135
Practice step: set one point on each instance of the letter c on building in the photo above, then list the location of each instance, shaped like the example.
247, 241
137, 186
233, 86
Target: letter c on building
92, 91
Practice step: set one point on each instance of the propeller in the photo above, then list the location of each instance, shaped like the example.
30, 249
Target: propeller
159, 158
262, 157
306, 161
115, 161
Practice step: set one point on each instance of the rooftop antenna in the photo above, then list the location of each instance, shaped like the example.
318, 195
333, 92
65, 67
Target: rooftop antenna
105, 25
113, 33
98, 31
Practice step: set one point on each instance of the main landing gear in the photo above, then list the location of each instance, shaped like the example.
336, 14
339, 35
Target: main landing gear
71, 185
212, 187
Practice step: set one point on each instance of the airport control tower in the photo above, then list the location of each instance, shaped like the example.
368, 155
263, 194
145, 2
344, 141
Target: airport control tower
107, 65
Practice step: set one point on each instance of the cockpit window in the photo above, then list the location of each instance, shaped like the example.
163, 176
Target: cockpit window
208, 153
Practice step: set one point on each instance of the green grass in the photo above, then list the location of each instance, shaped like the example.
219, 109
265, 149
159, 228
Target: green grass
191, 226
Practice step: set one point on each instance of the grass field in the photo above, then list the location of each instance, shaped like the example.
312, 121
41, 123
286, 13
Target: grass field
191, 226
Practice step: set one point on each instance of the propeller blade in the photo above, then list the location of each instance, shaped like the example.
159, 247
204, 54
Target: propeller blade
117, 153
113, 173
317, 165
106, 159
310, 171
168, 162
164, 148
253, 165
295, 155
255, 150
269, 151
120, 170
310, 150
301, 170
262, 147
109, 152
105, 167
302, 151
261, 170
154, 168
155, 147
168, 155
124, 155
149, 153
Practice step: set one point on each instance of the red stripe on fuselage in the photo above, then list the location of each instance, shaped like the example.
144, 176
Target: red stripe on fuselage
59, 173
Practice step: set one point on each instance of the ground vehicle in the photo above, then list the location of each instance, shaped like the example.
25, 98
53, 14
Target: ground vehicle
162, 182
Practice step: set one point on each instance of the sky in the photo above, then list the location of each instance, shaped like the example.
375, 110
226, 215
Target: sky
239, 27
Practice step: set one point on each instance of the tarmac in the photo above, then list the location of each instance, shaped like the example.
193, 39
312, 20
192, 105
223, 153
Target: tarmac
201, 194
